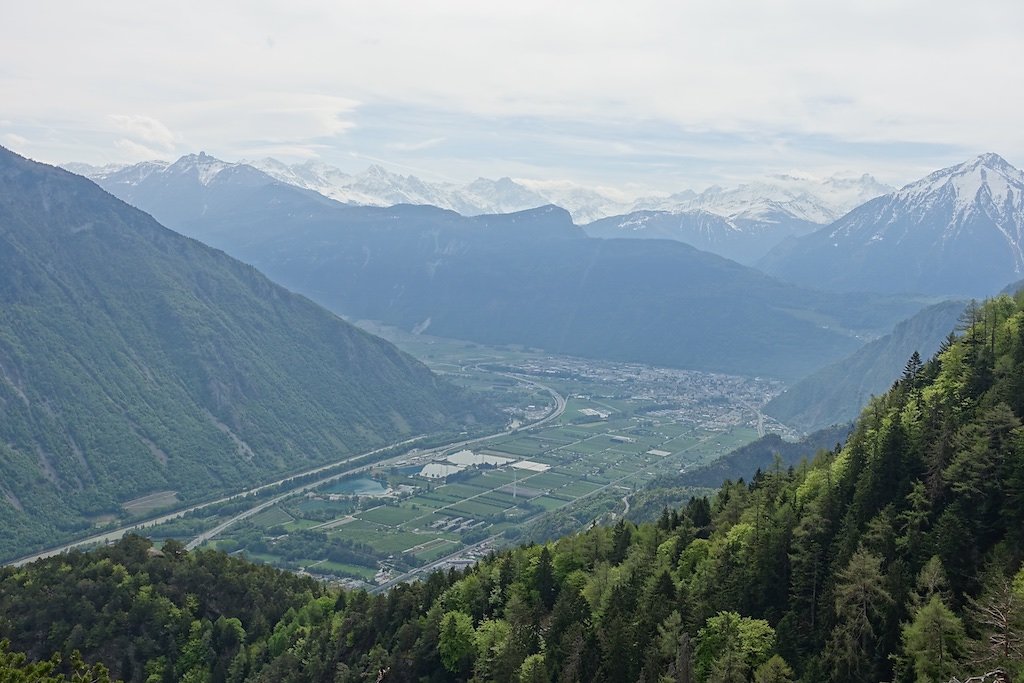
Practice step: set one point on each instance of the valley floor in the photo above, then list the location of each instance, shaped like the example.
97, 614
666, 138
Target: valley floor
621, 426
582, 436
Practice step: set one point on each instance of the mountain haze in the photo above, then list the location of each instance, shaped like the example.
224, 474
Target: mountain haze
742, 223
780, 205
836, 393
743, 240
531, 278
134, 360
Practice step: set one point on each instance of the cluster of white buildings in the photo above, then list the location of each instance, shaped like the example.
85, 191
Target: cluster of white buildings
464, 459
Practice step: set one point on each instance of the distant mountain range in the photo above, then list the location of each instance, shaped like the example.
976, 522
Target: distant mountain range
958, 231
743, 223
377, 186
740, 239
531, 278
134, 360
785, 198
813, 200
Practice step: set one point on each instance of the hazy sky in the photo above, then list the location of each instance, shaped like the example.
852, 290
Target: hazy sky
664, 95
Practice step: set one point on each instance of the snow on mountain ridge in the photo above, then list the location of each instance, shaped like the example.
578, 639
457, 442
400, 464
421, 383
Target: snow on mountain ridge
137, 172
783, 197
958, 230
205, 167
503, 195
586, 204
963, 183
376, 186
791, 196
91, 171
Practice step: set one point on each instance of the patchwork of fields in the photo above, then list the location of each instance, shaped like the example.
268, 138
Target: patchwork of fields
623, 426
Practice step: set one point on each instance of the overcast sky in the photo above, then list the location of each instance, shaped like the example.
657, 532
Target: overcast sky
662, 95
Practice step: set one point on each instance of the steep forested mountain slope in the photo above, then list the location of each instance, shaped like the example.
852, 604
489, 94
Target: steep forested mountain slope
1013, 287
134, 360
895, 557
530, 278
759, 455
836, 393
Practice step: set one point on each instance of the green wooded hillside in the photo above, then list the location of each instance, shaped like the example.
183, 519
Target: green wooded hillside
896, 557
836, 393
134, 360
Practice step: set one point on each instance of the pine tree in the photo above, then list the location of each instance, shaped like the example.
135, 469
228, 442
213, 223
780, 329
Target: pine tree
934, 642
860, 604
544, 580
621, 538
912, 369
808, 569
775, 670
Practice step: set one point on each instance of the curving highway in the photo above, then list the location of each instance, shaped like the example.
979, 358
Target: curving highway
556, 411
114, 534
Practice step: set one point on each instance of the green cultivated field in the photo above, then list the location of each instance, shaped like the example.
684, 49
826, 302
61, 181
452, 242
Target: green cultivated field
390, 515
340, 569
436, 551
590, 472
147, 504
272, 516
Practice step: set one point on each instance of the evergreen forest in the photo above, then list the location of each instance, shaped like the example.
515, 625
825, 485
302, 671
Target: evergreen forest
893, 557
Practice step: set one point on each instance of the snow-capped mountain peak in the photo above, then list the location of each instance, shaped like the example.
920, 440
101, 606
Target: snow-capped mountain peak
501, 195
311, 175
204, 167
91, 171
985, 182
959, 230
376, 171
993, 161
132, 174
785, 198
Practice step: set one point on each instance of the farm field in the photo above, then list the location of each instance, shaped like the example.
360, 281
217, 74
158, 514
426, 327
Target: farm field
145, 505
572, 471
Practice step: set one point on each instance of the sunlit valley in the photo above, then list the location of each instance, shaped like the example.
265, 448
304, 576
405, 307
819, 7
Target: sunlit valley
533, 344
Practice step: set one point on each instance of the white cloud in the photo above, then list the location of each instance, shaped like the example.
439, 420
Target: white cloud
295, 124
415, 146
16, 141
941, 73
133, 151
150, 131
281, 152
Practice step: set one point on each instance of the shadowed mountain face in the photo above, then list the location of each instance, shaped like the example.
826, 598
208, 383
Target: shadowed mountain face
837, 393
959, 231
135, 360
530, 278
